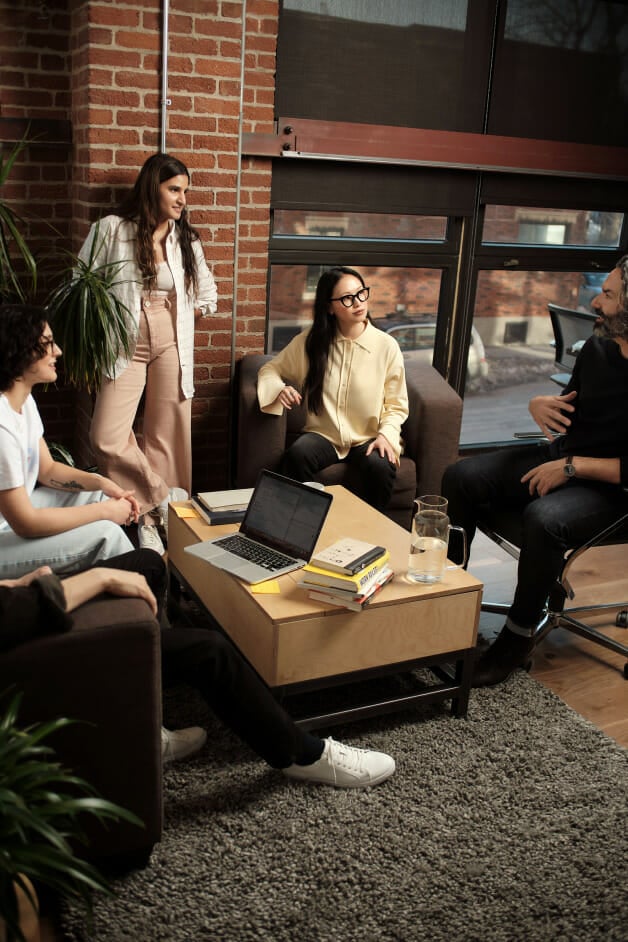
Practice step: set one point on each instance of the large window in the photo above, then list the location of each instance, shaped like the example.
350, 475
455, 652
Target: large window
465, 255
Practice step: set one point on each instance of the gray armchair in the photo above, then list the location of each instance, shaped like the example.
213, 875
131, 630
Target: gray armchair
431, 435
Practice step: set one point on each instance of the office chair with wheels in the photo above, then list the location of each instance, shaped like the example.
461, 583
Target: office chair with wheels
571, 329
504, 528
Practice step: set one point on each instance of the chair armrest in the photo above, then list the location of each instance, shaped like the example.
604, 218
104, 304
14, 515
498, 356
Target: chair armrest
106, 673
261, 438
432, 430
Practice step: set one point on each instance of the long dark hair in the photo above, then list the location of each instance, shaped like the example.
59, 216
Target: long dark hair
141, 206
321, 335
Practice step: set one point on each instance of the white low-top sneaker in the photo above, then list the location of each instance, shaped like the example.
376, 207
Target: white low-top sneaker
345, 767
148, 538
181, 743
174, 494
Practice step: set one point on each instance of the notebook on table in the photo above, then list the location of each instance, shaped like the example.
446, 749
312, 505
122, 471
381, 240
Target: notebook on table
278, 534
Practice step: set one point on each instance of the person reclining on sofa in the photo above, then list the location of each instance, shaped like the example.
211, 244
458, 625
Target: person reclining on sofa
204, 658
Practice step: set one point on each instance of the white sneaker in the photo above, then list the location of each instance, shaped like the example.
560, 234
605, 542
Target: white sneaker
345, 767
181, 743
174, 494
149, 538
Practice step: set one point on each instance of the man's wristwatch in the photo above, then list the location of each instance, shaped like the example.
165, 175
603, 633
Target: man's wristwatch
569, 469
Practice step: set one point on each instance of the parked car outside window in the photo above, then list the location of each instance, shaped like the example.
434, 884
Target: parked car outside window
415, 336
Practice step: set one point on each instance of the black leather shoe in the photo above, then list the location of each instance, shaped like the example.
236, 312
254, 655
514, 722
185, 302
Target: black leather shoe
508, 653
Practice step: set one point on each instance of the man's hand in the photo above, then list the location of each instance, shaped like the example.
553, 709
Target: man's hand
385, 449
549, 413
546, 477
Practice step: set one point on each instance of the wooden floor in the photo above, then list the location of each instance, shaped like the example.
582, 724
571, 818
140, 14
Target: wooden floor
588, 677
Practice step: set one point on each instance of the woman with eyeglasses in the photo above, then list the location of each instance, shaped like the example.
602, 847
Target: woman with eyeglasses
352, 378
50, 513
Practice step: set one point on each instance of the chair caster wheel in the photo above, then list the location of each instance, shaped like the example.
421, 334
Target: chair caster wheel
622, 619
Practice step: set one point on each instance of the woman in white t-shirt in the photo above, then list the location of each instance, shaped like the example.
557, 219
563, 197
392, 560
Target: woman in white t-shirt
50, 513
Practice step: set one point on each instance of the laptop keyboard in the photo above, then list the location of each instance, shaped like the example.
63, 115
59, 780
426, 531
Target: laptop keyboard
254, 552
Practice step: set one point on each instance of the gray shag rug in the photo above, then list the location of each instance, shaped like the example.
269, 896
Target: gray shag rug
507, 826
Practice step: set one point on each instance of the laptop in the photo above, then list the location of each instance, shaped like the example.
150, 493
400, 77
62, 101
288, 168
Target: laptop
278, 534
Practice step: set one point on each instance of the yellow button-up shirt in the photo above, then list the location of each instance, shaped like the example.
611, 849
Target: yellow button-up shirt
364, 390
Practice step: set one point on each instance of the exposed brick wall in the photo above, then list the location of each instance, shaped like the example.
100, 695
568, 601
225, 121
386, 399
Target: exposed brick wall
98, 64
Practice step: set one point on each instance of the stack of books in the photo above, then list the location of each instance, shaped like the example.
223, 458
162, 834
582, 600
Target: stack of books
349, 573
222, 506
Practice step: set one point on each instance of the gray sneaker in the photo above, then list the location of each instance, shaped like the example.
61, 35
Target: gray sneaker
345, 767
181, 743
148, 538
174, 494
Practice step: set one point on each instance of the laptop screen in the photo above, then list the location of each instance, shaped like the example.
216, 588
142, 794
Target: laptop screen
286, 515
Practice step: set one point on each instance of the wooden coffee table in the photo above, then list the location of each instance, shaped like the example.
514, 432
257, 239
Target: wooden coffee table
297, 644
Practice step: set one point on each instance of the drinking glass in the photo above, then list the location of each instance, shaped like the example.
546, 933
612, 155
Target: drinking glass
430, 539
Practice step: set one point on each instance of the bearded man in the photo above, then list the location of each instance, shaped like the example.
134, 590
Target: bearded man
567, 488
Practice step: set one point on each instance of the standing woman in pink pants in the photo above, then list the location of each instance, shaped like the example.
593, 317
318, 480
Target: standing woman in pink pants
165, 283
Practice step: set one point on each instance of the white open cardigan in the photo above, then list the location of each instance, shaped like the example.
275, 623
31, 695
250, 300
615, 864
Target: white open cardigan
116, 243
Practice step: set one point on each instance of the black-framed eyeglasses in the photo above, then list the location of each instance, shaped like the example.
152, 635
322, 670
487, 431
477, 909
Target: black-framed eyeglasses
48, 343
348, 300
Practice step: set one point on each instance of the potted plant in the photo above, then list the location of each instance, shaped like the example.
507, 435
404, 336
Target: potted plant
92, 326
16, 283
41, 806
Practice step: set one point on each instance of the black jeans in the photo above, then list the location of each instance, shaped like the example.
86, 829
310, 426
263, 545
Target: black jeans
562, 519
208, 661
311, 453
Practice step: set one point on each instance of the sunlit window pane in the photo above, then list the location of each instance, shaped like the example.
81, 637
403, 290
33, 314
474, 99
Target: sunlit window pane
337, 225
533, 225
403, 301
512, 319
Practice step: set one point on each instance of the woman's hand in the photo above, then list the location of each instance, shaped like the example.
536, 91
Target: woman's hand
289, 397
549, 413
385, 449
113, 490
86, 585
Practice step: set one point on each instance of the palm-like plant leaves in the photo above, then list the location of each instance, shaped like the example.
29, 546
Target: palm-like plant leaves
40, 806
11, 287
92, 326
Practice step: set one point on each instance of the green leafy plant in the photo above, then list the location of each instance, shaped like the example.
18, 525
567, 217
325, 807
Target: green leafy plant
41, 804
15, 286
92, 326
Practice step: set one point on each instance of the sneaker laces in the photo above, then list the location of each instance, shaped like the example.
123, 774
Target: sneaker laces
346, 757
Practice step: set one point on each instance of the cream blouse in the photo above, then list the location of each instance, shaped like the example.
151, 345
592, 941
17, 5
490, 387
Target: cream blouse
364, 390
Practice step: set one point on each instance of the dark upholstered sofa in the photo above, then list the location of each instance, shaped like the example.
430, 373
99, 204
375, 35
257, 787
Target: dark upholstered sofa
431, 436
106, 673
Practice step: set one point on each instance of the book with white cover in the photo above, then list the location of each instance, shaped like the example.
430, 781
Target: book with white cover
237, 499
347, 556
